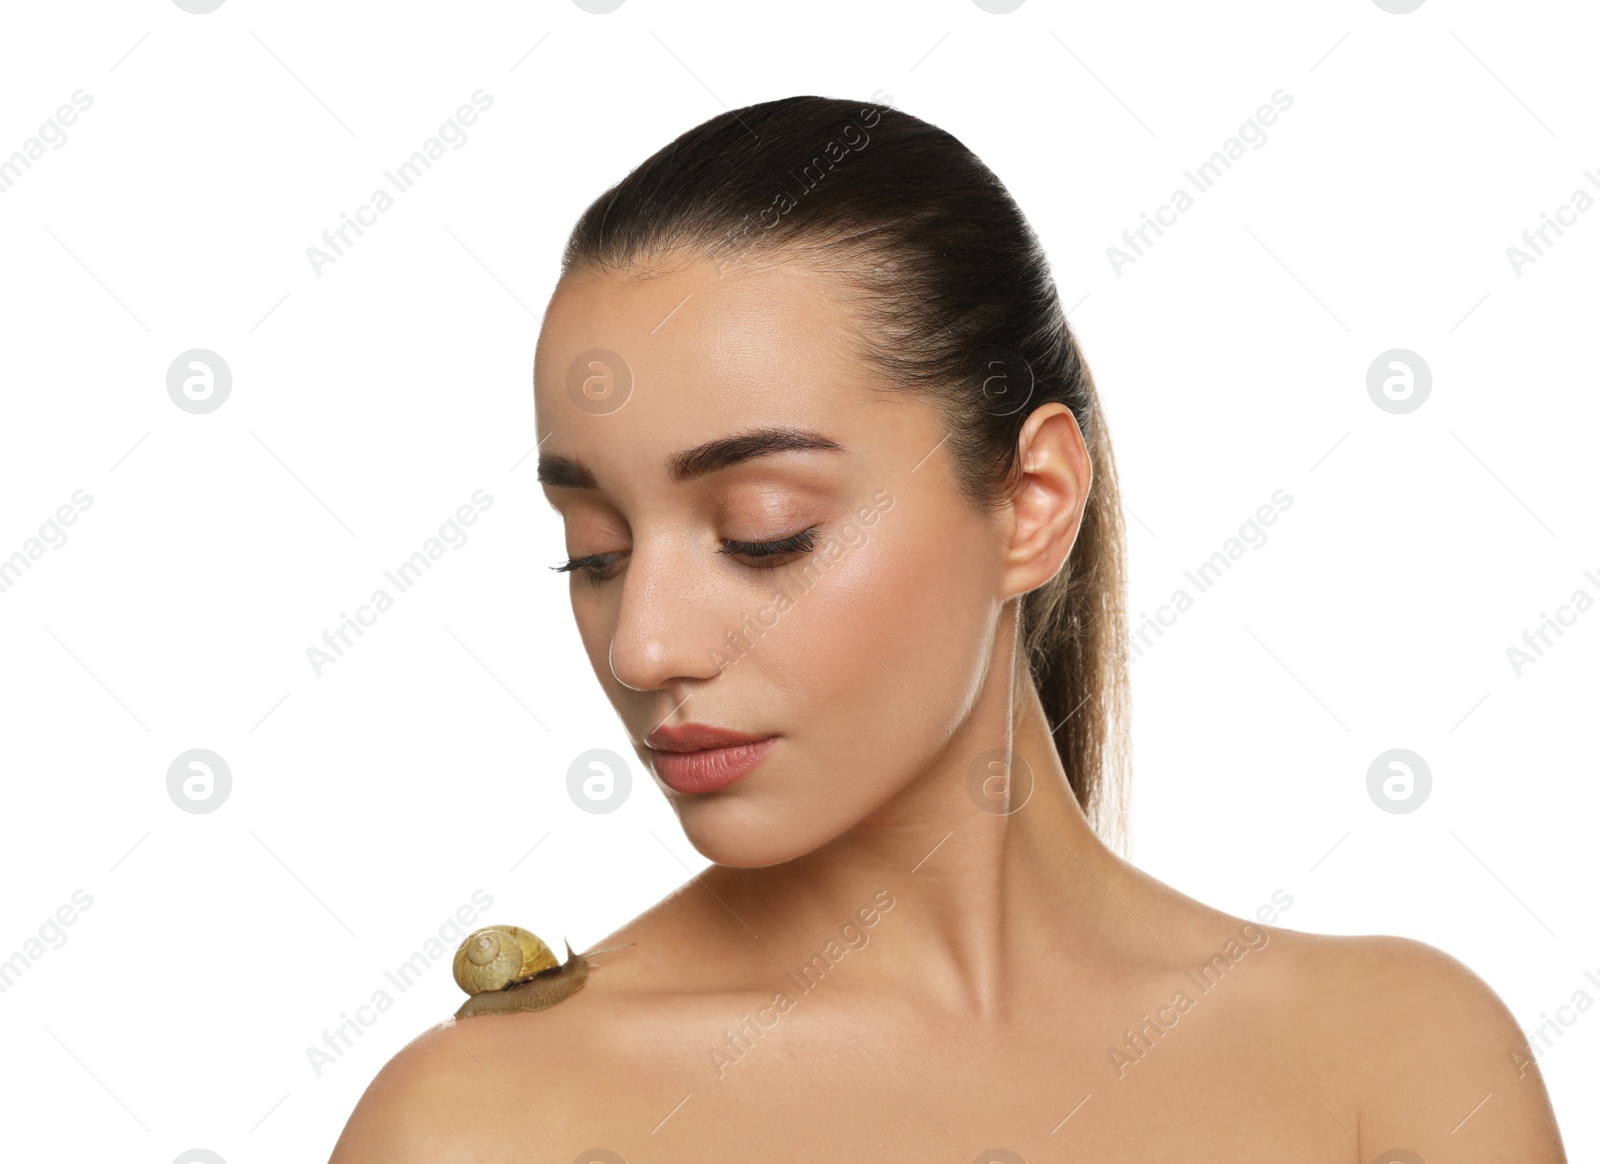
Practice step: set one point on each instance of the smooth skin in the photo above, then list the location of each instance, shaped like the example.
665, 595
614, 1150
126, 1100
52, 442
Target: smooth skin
986, 965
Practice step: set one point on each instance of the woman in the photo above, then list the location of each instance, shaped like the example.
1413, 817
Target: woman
846, 555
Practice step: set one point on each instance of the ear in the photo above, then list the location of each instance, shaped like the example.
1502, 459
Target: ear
1047, 504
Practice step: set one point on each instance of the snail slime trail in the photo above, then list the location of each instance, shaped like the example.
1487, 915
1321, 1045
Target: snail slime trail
433, 949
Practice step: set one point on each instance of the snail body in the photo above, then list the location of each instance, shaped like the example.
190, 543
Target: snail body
507, 968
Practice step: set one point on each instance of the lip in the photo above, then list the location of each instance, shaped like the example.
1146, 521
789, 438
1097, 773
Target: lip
697, 758
695, 737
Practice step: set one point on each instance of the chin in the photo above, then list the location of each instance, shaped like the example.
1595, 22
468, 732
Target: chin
739, 836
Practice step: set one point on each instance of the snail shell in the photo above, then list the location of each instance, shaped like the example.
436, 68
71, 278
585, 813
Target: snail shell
506, 968
495, 957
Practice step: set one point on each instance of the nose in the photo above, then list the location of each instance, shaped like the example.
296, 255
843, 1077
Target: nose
669, 625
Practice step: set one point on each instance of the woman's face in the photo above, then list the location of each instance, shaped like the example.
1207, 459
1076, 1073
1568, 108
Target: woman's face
861, 654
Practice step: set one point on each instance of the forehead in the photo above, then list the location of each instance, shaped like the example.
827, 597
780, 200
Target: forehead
630, 368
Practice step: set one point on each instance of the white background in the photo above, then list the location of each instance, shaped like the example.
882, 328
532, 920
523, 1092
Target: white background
371, 400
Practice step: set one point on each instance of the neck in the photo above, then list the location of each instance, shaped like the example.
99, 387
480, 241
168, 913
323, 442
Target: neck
992, 872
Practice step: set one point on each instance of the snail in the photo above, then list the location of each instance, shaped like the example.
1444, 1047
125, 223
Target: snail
506, 969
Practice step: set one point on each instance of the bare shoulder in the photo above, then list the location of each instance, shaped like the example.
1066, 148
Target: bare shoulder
1428, 1053
457, 1091
482, 1090
423, 1105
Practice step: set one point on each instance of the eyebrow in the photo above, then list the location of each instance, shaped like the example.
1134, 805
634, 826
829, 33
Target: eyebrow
722, 453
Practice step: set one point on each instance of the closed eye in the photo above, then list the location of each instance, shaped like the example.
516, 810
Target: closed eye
801, 543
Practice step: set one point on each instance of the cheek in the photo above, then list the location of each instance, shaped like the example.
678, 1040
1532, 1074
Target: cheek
888, 649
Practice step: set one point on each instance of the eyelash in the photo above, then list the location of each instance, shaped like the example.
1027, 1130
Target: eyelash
802, 542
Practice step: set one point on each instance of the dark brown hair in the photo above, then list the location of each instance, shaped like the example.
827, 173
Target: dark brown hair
956, 302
